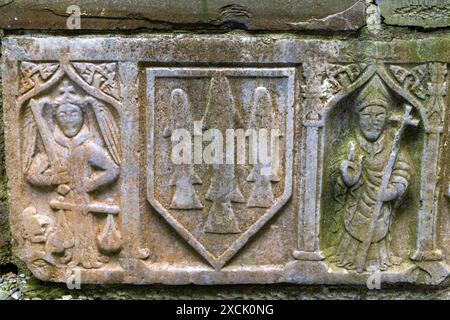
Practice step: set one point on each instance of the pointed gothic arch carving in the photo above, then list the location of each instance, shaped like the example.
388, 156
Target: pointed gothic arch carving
318, 103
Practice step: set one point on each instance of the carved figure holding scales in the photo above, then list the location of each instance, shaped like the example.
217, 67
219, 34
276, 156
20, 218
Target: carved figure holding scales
68, 158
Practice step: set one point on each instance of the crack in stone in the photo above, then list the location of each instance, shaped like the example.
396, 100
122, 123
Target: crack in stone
6, 4
336, 18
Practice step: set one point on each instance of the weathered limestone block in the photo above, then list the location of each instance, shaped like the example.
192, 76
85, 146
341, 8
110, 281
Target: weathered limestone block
343, 15
356, 182
420, 13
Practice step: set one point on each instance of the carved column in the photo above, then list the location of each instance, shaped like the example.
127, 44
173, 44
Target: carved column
309, 208
435, 109
309, 212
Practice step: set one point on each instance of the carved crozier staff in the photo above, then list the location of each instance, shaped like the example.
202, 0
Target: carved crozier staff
406, 120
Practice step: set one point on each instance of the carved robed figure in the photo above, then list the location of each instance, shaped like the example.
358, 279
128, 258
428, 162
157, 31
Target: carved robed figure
62, 152
366, 203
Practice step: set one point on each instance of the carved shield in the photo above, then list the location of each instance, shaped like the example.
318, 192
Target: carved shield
218, 206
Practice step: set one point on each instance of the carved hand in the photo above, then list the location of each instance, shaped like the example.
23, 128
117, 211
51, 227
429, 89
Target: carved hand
89, 185
59, 174
389, 194
89, 101
350, 171
60, 177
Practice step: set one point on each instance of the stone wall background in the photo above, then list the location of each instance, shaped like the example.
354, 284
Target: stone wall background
33, 288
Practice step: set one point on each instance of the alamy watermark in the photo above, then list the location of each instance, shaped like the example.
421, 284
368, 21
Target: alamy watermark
374, 280
73, 281
73, 22
230, 147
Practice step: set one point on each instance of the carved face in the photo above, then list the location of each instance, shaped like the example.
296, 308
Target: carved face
70, 119
371, 121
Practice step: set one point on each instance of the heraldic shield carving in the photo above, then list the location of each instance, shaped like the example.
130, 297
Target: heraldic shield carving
218, 206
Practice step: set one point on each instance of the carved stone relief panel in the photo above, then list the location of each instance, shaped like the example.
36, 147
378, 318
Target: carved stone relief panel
227, 159
362, 147
70, 159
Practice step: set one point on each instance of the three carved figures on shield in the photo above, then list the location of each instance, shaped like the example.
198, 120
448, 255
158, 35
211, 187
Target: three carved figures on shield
72, 149
224, 190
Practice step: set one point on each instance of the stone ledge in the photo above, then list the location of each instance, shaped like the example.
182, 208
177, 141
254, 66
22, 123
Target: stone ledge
416, 13
344, 15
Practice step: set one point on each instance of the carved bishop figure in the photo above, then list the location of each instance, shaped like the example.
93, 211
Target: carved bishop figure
374, 174
69, 159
